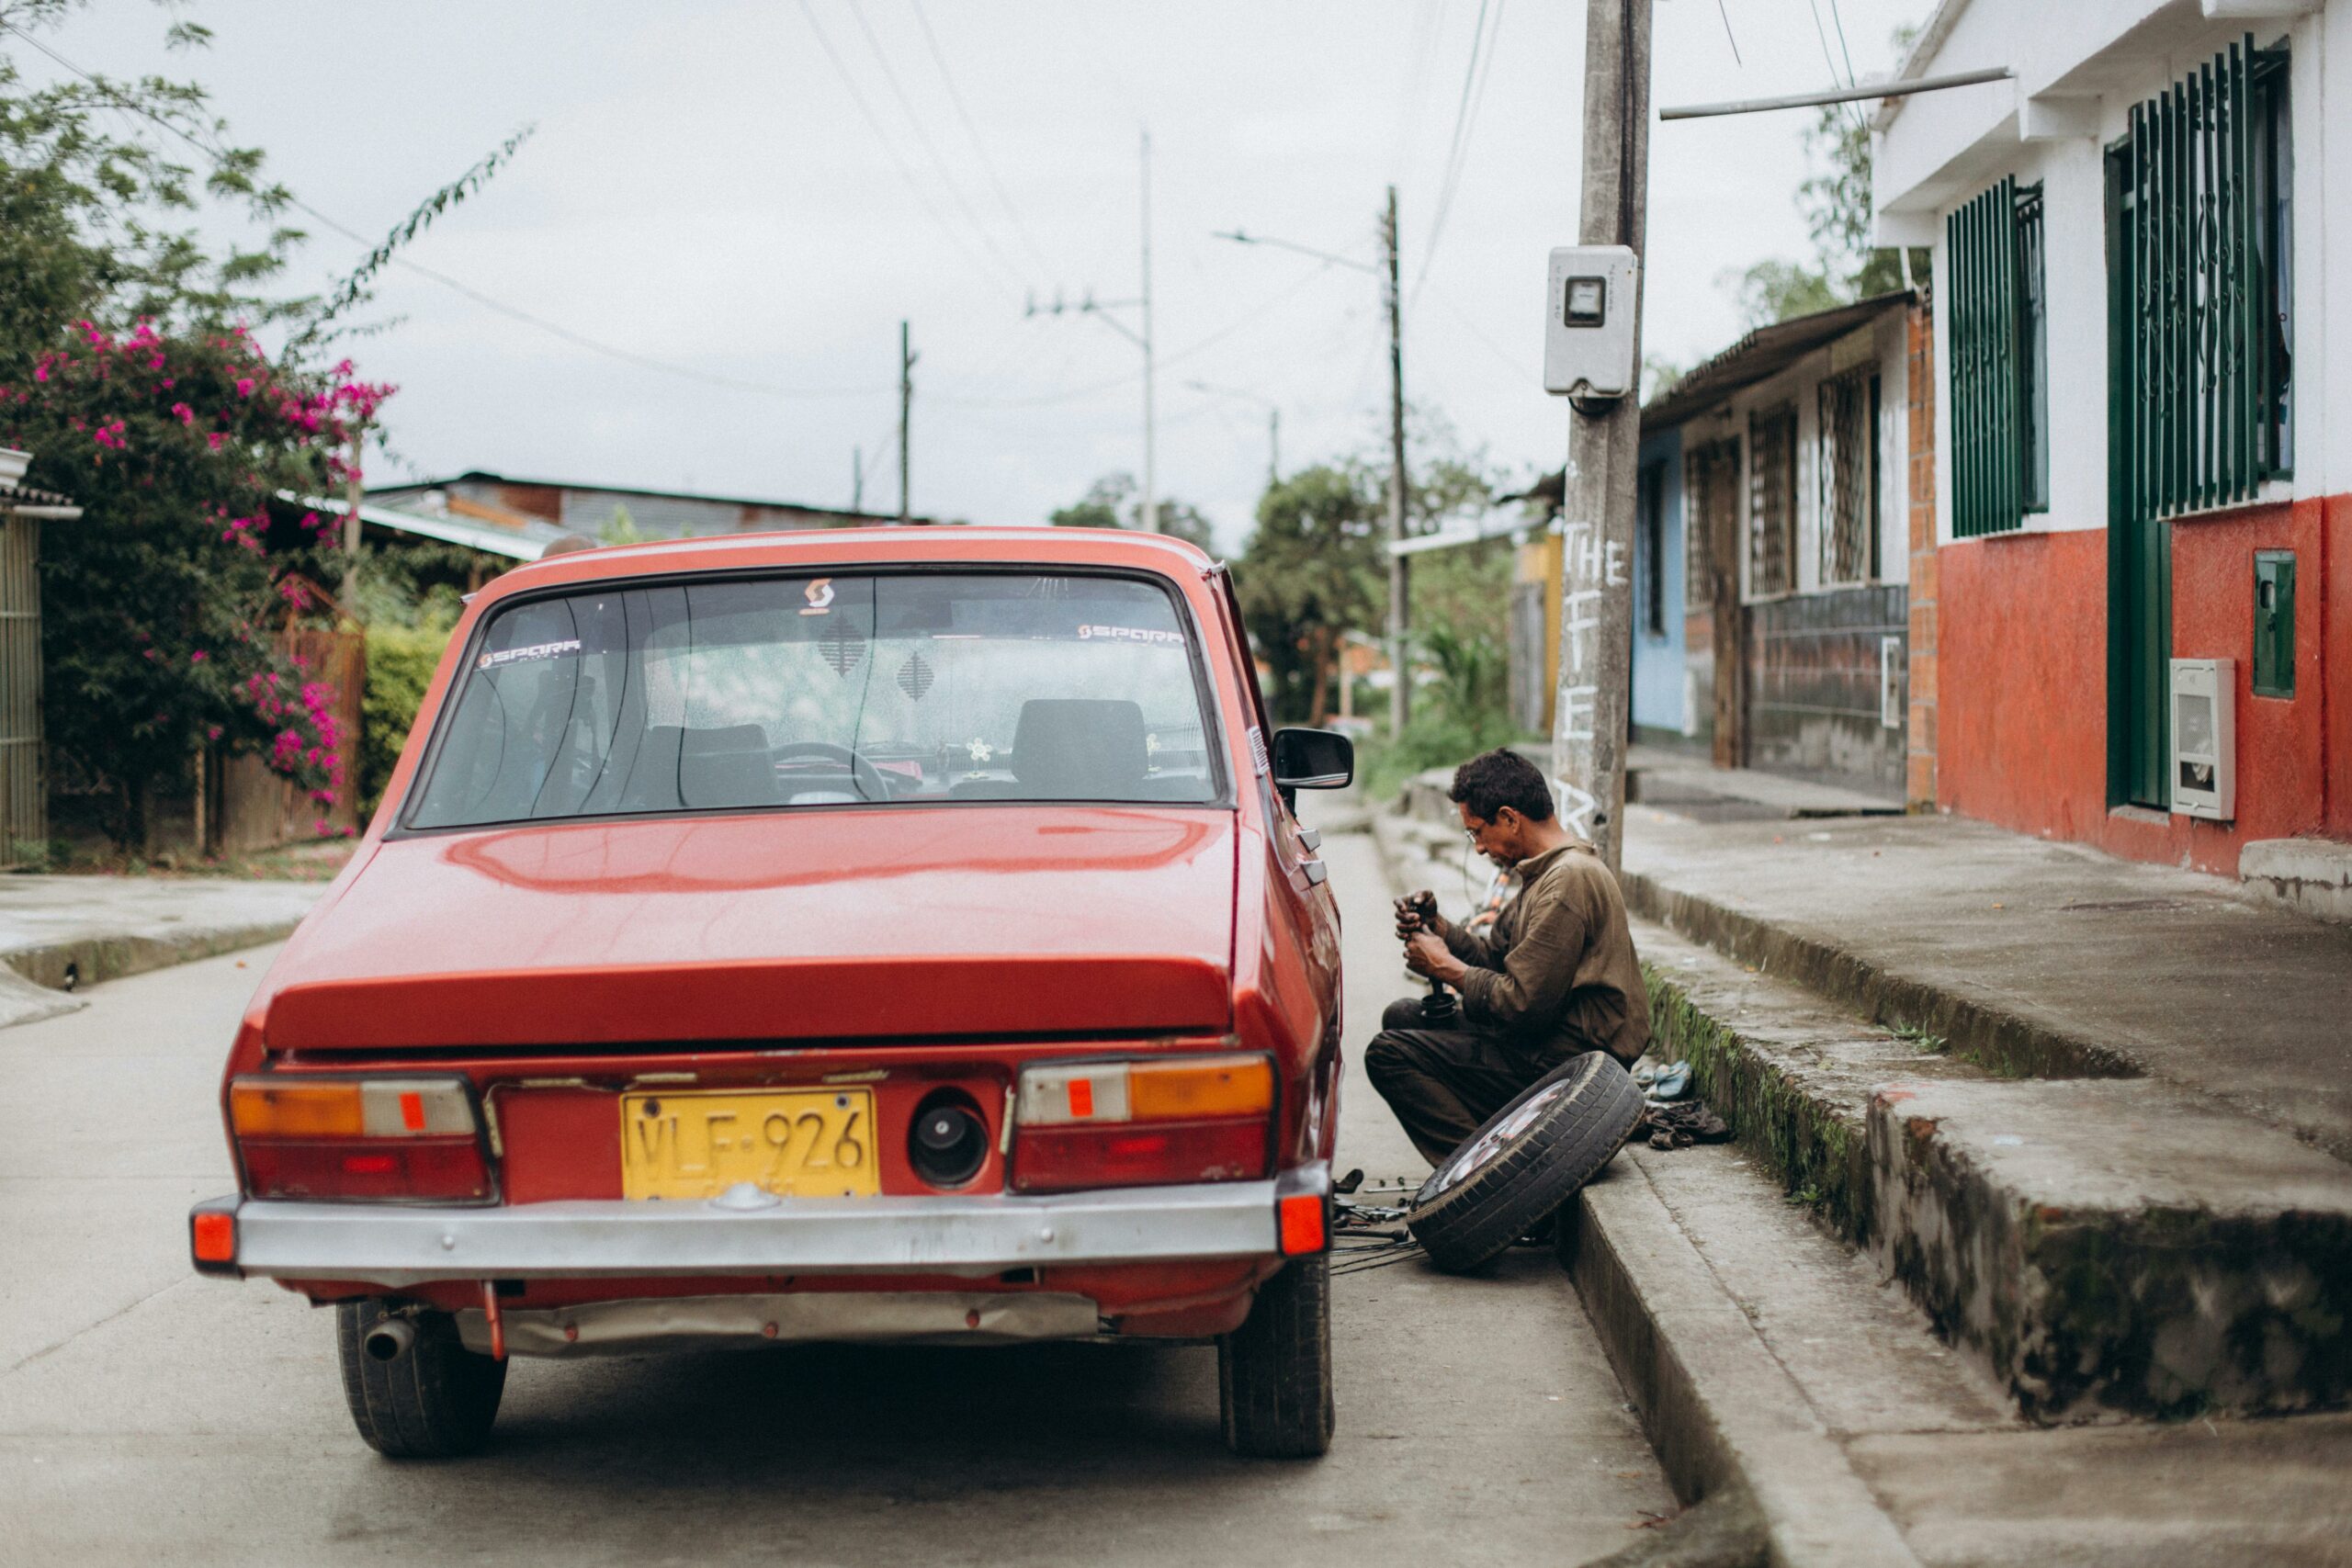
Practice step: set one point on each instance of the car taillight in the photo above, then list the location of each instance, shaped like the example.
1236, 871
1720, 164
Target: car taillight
359, 1139
1142, 1122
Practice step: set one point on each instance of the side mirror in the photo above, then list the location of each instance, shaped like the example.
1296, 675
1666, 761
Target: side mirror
1313, 759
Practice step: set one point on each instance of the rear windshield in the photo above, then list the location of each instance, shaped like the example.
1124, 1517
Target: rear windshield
877, 689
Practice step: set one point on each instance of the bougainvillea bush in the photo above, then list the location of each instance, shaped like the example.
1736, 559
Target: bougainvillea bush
161, 607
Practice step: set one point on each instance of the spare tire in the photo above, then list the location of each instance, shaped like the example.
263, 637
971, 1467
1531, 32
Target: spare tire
1527, 1159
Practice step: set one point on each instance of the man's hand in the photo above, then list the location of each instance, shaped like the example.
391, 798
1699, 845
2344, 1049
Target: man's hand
1417, 912
1425, 955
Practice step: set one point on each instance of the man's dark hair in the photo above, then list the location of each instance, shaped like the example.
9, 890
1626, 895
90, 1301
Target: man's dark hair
1502, 777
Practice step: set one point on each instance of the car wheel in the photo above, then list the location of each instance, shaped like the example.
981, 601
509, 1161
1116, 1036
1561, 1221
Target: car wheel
1530, 1158
1274, 1372
415, 1391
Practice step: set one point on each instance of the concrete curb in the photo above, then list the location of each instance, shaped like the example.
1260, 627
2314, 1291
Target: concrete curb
87, 961
1720, 1411
1998, 1037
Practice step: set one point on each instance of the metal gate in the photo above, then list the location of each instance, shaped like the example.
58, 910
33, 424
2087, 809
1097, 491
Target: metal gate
24, 812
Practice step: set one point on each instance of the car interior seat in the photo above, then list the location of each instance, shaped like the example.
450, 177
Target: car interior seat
1079, 748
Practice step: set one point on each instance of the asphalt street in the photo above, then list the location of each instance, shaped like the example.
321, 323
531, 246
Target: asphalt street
147, 1414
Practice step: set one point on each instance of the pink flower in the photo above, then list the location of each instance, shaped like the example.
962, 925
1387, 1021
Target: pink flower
244, 386
186, 414
213, 732
215, 441
199, 657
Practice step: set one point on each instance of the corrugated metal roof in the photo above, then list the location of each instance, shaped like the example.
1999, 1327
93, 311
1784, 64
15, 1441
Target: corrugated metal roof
16, 495
524, 544
1762, 353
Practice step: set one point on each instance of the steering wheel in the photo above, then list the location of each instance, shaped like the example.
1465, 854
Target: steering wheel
871, 783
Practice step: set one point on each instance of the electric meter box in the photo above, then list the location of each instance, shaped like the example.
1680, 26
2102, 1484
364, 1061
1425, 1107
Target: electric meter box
1588, 321
2204, 738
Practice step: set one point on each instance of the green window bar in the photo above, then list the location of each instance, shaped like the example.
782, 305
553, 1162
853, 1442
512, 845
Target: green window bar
2204, 230
1999, 396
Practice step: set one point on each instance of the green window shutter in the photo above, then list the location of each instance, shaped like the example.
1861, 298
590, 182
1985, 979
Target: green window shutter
1991, 396
2204, 231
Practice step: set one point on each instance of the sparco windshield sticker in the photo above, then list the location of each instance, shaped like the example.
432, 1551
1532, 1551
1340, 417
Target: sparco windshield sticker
537, 650
1130, 634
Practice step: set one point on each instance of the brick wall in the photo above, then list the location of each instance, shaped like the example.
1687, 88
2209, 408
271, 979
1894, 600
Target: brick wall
1919, 771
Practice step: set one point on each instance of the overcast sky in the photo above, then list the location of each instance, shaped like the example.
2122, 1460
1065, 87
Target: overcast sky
705, 190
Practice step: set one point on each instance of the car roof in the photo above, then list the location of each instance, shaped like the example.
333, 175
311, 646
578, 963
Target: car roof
802, 548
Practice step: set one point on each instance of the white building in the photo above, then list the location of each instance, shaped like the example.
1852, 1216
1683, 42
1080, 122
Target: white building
2142, 385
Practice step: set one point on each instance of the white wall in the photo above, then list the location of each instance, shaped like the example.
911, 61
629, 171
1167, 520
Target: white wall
2142, 47
1889, 345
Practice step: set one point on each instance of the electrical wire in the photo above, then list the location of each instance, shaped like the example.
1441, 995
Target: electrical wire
1723, 11
930, 148
873, 123
1831, 61
489, 302
1176, 359
1474, 93
979, 147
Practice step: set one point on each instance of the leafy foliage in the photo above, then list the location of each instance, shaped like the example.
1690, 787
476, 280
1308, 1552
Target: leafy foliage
1836, 202
401, 661
130, 368
1313, 570
1112, 501
159, 605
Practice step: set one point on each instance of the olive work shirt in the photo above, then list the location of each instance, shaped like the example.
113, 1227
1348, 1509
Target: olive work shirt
1557, 975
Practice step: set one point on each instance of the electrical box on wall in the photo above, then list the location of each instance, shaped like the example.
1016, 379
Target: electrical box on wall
2204, 738
1588, 321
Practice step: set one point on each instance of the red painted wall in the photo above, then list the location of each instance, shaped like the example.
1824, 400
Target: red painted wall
2022, 682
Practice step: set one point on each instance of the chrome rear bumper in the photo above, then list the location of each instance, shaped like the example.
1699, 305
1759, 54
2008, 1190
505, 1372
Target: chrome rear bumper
399, 1245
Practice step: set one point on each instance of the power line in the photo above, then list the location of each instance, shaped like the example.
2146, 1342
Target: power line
1831, 61
873, 123
1723, 11
1482, 68
1198, 346
487, 301
931, 149
979, 147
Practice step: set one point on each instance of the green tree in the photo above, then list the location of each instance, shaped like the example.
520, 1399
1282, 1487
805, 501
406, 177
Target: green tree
1312, 570
1836, 202
138, 249
1113, 501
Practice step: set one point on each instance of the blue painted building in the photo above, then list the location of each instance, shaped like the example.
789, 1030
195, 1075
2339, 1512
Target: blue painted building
1662, 700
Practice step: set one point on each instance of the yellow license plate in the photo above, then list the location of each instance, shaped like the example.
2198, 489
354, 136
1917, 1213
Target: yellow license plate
794, 1143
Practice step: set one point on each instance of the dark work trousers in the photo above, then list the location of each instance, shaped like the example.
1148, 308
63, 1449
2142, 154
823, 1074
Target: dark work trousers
1443, 1083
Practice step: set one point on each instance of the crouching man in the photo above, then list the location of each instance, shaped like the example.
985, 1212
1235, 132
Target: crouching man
1556, 976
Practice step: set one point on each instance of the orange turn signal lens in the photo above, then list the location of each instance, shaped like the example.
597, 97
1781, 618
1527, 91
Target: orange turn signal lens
1301, 1217
258, 1110
1199, 1086
212, 1237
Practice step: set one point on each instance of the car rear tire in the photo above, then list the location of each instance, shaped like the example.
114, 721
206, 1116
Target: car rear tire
432, 1399
1274, 1372
1530, 1158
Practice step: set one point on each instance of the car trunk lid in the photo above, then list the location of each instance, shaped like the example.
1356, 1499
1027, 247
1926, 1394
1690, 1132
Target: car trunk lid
901, 923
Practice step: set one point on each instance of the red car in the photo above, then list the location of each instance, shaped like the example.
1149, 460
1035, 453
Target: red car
895, 934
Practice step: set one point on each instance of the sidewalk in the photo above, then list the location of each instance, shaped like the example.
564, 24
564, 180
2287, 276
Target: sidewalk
59, 934
2031, 957
2081, 1125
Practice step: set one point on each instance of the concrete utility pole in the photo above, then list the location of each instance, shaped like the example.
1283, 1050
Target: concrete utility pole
1400, 694
1590, 714
858, 479
906, 402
